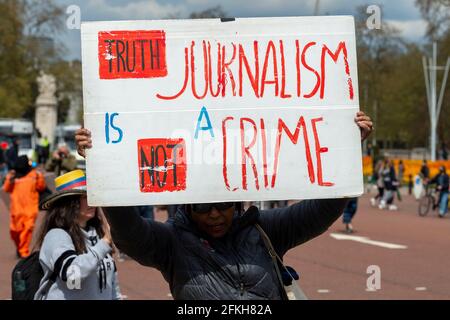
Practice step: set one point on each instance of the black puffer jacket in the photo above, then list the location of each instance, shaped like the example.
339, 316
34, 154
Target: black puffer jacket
236, 266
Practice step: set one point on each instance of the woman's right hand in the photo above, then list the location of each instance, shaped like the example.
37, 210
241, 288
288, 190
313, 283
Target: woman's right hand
83, 141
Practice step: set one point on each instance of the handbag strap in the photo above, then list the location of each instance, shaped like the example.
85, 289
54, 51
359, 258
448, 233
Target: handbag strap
274, 257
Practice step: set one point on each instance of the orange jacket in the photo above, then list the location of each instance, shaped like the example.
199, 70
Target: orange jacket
25, 193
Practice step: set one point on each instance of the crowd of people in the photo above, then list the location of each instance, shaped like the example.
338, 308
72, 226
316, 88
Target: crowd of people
389, 181
23, 179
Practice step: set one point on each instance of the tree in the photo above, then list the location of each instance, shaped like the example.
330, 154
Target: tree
376, 49
26, 47
214, 12
437, 15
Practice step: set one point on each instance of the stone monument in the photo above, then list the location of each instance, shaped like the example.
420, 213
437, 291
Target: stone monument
46, 103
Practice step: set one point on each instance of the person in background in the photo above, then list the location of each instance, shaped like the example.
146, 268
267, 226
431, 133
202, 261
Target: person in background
61, 161
378, 179
23, 184
401, 172
349, 213
3, 166
75, 235
45, 144
42, 147
410, 184
444, 152
442, 185
425, 171
390, 185
12, 154
425, 174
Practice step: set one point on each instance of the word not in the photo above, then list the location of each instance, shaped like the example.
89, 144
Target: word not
258, 76
247, 156
132, 54
109, 122
162, 165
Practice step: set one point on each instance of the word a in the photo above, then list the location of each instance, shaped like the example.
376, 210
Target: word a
373, 282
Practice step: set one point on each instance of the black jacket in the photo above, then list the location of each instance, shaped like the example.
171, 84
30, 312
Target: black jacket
236, 266
442, 180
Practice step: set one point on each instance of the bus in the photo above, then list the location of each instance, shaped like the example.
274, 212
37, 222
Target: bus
18, 128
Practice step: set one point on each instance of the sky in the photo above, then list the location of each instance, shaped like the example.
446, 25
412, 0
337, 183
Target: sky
402, 14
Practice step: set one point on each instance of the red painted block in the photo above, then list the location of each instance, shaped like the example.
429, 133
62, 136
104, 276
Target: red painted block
162, 164
132, 54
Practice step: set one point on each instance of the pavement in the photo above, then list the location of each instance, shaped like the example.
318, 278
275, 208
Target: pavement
410, 253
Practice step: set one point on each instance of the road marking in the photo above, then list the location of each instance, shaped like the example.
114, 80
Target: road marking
421, 289
169, 295
323, 291
366, 240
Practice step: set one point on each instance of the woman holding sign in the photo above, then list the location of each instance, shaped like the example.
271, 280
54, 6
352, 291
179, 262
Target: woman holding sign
217, 251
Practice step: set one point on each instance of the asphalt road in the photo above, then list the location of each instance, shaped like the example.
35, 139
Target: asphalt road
412, 254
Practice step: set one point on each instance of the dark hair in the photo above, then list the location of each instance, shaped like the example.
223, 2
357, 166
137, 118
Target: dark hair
63, 214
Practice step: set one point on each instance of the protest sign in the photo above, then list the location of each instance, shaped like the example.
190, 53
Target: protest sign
188, 111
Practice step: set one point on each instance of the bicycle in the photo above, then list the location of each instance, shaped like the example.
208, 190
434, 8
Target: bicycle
428, 201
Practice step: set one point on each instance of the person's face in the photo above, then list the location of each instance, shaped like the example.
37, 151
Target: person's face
215, 223
86, 212
64, 150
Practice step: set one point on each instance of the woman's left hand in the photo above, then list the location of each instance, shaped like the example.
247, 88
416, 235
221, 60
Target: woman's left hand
364, 123
106, 229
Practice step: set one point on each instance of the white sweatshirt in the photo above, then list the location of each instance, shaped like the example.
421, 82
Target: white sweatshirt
88, 276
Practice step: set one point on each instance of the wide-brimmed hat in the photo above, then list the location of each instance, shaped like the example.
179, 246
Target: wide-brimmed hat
70, 184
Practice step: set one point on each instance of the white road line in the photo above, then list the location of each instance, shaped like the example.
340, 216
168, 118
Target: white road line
366, 240
421, 289
323, 291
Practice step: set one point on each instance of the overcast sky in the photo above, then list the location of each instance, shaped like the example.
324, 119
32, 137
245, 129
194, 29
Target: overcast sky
401, 13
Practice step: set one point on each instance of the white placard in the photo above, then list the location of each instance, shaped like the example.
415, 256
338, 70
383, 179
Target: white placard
188, 111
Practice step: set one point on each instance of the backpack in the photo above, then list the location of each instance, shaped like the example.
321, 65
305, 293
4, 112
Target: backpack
26, 278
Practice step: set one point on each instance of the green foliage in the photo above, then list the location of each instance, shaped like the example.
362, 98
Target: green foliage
392, 86
26, 47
